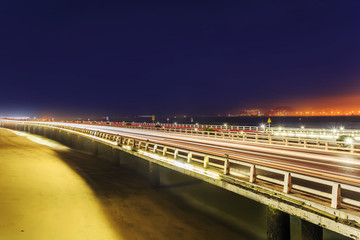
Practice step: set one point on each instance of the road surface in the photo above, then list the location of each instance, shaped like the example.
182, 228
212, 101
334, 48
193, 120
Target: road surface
338, 167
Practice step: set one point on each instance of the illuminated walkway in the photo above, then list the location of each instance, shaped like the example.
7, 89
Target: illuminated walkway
50, 192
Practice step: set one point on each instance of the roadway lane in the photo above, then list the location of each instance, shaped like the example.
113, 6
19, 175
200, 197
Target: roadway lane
330, 166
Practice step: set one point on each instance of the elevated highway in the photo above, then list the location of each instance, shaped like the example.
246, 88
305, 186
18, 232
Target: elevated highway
327, 165
321, 187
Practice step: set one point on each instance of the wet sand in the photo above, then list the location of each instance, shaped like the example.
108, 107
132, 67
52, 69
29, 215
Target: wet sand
51, 192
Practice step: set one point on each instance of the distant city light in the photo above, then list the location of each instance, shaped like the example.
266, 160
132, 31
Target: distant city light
349, 140
19, 118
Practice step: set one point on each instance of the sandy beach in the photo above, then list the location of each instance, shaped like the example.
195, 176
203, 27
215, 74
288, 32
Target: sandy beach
48, 191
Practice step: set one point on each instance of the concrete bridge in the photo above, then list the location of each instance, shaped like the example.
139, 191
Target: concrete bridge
319, 139
320, 187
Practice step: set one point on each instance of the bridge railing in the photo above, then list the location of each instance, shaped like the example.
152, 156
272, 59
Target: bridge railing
313, 132
351, 147
266, 138
220, 166
283, 131
224, 165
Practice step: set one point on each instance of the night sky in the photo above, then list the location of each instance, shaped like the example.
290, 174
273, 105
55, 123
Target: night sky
82, 58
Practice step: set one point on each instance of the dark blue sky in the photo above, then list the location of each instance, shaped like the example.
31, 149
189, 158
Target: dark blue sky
201, 57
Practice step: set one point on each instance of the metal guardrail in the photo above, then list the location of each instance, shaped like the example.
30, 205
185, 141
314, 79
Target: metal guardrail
315, 133
222, 166
263, 137
309, 133
301, 131
302, 138
169, 125
282, 130
236, 168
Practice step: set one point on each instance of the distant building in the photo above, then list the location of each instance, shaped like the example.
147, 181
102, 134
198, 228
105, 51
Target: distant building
250, 112
281, 111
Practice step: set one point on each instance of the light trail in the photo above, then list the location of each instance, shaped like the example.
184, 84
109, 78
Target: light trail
327, 165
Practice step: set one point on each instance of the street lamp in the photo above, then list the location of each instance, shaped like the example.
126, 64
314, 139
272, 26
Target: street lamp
349, 140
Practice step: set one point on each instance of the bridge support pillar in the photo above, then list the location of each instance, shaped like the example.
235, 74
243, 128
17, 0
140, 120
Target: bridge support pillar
154, 174
76, 141
278, 224
310, 231
115, 156
94, 147
51, 133
80, 142
68, 139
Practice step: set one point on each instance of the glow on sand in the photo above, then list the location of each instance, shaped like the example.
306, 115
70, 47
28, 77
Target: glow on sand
42, 197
